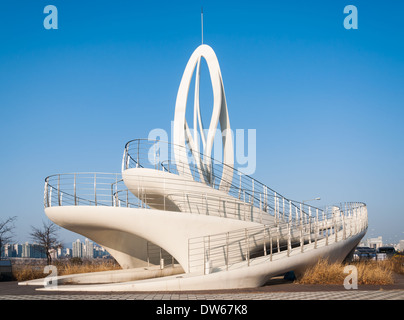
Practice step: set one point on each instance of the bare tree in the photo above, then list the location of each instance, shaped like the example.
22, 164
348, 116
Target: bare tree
6, 231
47, 238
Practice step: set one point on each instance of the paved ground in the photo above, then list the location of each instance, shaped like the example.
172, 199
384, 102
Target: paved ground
293, 299
276, 289
320, 295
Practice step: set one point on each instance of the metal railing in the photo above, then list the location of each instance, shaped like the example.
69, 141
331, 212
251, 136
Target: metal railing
159, 155
222, 251
99, 189
89, 188
157, 255
108, 189
286, 224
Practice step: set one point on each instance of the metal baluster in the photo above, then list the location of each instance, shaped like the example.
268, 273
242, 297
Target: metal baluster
316, 231
239, 190
343, 226
275, 207
301, 215
283, 209
204, 255
59, 189
253, 191
248, 246
75, 195
227, 251
208, 257
50, 196
138, 146
335, 226
326, 230
260, 210
301, 239
290, 210
47, 193
310, 225
127, 198
147, 252
289, 240
277, 238
270, 244
244, 203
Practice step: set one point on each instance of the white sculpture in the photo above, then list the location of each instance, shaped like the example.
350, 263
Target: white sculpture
183, 134
233, 236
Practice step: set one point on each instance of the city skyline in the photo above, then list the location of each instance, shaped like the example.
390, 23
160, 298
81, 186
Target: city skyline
331, 99
77, 249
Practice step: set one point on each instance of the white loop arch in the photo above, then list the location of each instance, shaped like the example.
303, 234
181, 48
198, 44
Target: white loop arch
181, 131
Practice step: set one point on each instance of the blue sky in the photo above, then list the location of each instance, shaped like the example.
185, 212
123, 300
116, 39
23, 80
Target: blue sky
327, 103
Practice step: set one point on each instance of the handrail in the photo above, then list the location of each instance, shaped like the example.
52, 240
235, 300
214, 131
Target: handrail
108, 189
98, 189
84, 188
159, 155
320, 227
219, 252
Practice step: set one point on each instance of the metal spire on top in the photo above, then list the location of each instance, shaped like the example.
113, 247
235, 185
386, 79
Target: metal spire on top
202, 23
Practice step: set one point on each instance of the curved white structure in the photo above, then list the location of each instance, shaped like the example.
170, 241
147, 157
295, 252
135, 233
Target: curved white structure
182, 132
225, 229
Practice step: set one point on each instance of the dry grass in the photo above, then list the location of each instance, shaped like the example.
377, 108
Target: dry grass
369, 272
323, 273
396, 264
35, 271
69, 268
27, 273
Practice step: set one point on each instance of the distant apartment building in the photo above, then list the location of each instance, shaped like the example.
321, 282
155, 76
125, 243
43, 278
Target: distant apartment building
26, 250
6, 250
67, 252
32, 251
88, 249
77, 249
17, 252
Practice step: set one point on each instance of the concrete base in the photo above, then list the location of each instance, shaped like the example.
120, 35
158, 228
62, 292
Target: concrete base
113, 276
